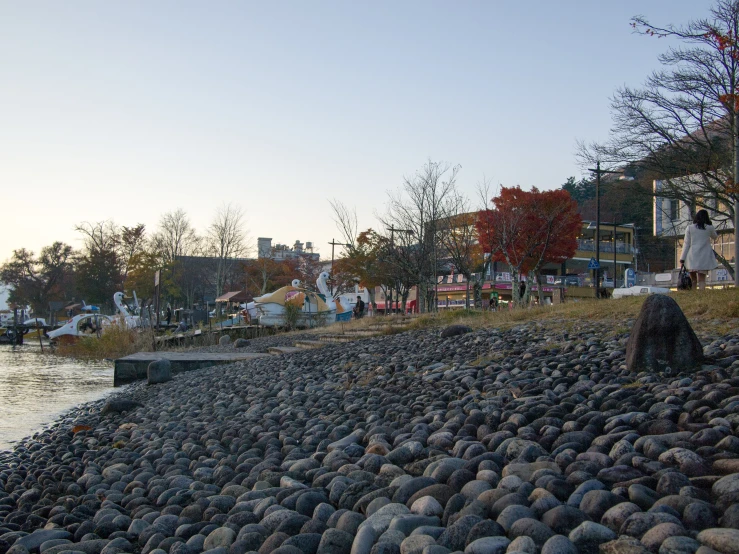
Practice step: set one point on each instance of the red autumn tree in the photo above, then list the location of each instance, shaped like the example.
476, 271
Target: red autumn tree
528, 229
505, 233
556, 224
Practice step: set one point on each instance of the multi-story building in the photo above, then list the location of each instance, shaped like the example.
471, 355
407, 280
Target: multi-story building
265, 249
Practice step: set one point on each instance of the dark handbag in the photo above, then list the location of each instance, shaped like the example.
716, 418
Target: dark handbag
684, 282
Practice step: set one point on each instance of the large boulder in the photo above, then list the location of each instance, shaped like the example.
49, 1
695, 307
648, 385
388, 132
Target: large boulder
225, 340
159, 371
662, 338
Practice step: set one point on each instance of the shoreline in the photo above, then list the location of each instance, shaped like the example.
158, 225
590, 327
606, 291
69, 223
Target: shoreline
536, 431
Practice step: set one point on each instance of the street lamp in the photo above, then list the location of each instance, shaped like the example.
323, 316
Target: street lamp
598, 172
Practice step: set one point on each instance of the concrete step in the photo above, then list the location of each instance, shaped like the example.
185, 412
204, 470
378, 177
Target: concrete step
389, 324
308, 344
278, 350
337, 338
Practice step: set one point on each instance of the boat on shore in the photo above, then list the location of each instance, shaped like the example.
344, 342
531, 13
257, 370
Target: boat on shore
93, 324
314, 309
83, 325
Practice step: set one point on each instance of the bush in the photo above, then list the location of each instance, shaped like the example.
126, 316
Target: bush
116, 341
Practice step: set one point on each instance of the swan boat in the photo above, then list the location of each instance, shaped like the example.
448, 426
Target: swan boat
314, 309
92, 323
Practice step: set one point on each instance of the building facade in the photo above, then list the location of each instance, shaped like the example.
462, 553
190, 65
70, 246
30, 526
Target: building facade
265, 249
672, 217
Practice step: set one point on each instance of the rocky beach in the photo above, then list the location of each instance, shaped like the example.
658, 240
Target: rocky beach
534, 438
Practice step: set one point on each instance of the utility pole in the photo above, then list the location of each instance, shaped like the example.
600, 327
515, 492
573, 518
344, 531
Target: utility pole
334, 243
598, 172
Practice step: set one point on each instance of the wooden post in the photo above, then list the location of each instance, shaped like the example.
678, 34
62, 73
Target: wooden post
157, 276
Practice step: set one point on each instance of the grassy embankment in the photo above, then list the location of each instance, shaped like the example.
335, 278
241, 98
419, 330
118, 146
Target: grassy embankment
720, 307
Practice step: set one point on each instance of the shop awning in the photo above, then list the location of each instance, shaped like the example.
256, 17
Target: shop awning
238, 296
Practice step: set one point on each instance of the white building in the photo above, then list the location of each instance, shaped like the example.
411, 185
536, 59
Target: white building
671, 218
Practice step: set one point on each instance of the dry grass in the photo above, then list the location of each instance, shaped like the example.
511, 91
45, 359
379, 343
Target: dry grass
115, 342
718, 306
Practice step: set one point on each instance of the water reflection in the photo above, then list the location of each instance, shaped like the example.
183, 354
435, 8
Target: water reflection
36, 387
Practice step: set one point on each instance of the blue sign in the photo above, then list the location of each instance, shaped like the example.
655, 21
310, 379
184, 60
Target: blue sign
630, 277
593, 264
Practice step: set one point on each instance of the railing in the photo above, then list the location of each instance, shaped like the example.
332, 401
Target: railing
588, 245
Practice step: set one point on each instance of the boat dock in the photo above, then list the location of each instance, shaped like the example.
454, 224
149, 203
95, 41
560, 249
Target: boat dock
133, 367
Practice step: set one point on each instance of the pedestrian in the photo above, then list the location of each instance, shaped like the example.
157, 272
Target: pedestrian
358, 308
697, 252
169, 314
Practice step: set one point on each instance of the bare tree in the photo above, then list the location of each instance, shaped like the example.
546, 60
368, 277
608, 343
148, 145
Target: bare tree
485, 221
458, 237
346, 222
101, 236
682, 126
412, 221
226, 241
175, 236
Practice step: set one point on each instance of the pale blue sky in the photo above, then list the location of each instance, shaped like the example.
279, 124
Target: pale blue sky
125, 110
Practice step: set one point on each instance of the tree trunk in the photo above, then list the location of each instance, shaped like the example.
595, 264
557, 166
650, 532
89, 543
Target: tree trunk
540, 292
467, 295
515, 287
422, 297
373, 303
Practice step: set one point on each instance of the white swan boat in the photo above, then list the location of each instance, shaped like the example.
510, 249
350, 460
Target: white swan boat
93, 324
82, 325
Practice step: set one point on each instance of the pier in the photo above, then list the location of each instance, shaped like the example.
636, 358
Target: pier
132, 368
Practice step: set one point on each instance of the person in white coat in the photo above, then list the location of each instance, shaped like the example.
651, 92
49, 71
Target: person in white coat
697, 252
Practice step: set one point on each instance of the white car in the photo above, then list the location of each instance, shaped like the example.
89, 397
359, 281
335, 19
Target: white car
639, 290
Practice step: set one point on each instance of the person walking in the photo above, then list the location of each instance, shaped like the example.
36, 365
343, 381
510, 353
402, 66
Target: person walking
697, 252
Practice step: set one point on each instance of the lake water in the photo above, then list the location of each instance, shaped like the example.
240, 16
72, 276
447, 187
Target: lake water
36, 388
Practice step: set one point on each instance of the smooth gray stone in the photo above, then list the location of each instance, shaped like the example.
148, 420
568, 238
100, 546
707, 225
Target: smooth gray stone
723, 540
588, 536
511, 514
415, 544
307, 543
363, 540
334, 541
54, 542
679, 545
34, 540
159, 371
88, 547
558, 544
223, 537
488, 545
408, 522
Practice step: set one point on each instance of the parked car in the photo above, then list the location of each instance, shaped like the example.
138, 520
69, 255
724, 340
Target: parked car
638, 290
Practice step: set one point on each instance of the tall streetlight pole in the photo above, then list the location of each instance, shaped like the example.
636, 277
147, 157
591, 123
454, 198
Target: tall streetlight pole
598, 172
